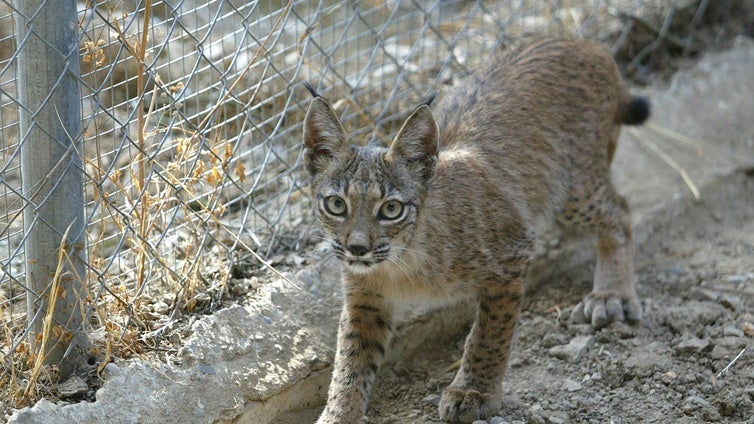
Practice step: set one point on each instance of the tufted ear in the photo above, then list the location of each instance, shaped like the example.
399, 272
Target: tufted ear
324, 136
417, 143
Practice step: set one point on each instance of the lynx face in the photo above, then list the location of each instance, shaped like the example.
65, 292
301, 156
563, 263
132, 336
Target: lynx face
368, 197
365, 211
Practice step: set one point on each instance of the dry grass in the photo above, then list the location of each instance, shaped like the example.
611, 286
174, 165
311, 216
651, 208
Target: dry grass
121, 314
668, 159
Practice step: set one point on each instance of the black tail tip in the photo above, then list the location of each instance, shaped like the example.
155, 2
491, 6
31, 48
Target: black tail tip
637, 111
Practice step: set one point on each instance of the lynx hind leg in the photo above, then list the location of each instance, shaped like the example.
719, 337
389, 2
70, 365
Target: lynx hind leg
613, 296
476, 390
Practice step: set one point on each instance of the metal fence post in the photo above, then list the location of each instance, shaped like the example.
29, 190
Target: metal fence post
52, 174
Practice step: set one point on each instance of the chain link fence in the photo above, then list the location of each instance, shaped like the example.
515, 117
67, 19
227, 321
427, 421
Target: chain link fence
187, 139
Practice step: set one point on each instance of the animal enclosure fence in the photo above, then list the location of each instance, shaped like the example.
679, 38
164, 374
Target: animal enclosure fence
151, 149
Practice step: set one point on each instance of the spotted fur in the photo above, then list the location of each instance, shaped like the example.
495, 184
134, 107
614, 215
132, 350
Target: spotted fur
451, 211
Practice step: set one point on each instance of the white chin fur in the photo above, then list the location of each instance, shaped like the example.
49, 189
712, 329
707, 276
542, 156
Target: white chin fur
359, 267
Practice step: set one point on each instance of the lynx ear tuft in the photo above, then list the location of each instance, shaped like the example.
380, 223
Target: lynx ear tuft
311, 89
417, 142
324, 136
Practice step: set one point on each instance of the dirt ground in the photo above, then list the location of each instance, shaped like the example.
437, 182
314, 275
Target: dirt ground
696, 279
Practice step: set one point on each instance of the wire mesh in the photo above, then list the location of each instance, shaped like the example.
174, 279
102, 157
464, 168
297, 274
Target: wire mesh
192, 117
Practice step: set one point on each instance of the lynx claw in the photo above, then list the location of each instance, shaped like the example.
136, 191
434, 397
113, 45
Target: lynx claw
467, 406
604, 308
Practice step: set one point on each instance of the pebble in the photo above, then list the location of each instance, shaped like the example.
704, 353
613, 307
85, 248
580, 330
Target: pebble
700, 293
741, 278
553, 339
206, 369
729, 301
557, 419
161, 307
433, 399
72, 387
748, 329
669, 377
624, 331
497, 420
733, 331
574, 350
692, 314
691, 346
571, 385
697, 405
112, 370
693, 403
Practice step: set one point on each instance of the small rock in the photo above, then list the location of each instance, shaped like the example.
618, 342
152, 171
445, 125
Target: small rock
316, 364
72, 387
308, 277
712, 415
729, 301
669, 377
692, 314
112, 370
557, 418
748, 329
497, 420
697, 405
693, 403
161, 308
206, 369
553, 339
479, 422
649, 359
690, 346
295, 260
198, 412
703, 294
175, 338
733, 331
741, 278
731, 342
720, 352
624, 331
433, 399
725, 408
571, 385
574, 350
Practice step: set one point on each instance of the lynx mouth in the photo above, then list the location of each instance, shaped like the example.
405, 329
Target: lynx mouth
356, 262
360, 266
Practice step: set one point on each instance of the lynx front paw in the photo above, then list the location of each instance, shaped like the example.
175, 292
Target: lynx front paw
466, 406
600, 309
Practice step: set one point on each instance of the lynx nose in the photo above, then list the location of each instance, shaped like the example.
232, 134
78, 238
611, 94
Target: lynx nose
358, 243
358, 249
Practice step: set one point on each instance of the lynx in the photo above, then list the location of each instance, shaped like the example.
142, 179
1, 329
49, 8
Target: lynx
452, 210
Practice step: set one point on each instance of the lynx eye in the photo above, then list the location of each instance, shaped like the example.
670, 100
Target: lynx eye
335, 205
392, 209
